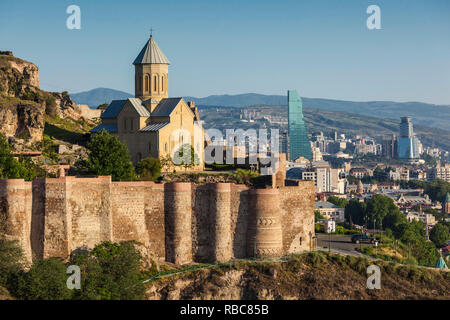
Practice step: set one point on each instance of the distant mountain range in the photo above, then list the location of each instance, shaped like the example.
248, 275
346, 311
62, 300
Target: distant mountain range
425, 114
328, 122
98, 96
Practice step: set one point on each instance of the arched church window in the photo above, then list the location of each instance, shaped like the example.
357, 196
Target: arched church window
165, 147
147, 83
163, 81
155, 83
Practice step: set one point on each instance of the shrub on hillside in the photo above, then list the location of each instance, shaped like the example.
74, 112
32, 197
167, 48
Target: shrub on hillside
110, 271
11, 259
46, 280
10, 168
149, 169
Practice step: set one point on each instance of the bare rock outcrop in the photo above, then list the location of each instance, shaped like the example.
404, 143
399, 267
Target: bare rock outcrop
23, 105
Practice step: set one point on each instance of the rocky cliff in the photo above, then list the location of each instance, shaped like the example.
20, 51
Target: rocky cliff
23, 105
310, 276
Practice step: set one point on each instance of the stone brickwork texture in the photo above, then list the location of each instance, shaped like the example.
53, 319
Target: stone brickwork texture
177, 222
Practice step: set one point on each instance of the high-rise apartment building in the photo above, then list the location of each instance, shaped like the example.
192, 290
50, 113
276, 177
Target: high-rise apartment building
439, 172
325, 178
389, 146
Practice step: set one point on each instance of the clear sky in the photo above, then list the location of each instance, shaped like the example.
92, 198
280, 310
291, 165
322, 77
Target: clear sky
323, 49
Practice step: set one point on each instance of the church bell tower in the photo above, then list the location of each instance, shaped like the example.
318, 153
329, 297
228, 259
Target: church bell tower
151, 68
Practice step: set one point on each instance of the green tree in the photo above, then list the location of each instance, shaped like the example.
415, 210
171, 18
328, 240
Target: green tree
149, 168
355, 211
392, 218
10, 168
429, 160
341, 203
352, 179
46, 280
380, 175
380, 206
437, 189
109, 156
440, 234
110, 271
12, 259
412, 236
318, 216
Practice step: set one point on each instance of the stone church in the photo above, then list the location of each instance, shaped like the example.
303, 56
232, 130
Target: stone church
151, 124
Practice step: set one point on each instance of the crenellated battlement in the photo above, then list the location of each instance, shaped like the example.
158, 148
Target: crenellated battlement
178, 222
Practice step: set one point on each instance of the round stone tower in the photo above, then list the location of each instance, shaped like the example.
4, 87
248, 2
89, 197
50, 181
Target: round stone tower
178, 219
264, 236
221, 210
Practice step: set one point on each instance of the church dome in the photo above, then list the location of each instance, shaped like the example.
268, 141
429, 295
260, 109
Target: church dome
151, 54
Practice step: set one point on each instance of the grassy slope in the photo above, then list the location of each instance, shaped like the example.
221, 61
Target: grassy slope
67, 129
4, 294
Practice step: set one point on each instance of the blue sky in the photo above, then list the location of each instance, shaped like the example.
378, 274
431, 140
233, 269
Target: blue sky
320, 48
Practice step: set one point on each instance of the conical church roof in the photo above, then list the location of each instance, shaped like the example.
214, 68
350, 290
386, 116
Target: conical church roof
441, 264
151, 53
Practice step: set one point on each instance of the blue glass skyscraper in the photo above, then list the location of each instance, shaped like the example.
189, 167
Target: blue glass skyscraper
407, 142
299, 145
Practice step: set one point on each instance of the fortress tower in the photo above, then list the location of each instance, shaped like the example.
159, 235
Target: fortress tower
151, 74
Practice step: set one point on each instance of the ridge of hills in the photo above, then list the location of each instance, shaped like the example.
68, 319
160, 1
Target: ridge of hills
425, 114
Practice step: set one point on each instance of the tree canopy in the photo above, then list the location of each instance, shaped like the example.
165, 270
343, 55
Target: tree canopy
46, 280
440, 234
109, 156
110, 271
341, 203
10, 168
149, 169
12, 259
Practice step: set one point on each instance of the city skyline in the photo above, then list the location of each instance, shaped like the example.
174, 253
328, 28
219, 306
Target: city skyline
324, 48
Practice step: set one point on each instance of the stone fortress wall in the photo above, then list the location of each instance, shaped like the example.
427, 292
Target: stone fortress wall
177, 222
